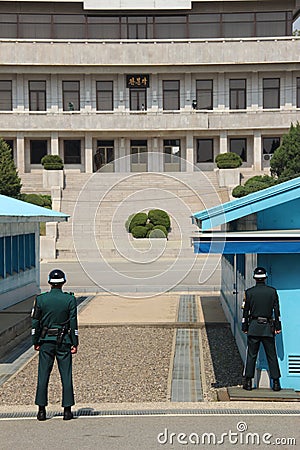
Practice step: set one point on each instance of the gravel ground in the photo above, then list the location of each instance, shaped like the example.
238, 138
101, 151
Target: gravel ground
129, 364
118, 364
222, 361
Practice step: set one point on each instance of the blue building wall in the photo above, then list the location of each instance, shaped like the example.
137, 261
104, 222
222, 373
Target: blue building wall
284, 275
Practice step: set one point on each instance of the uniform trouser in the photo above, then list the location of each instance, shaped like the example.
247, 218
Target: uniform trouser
47, 354
252, 351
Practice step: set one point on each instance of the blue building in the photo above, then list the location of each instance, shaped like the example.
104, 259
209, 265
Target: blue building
20, 248
262, 229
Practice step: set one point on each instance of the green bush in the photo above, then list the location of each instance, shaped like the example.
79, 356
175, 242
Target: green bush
37, 199
159, 217
228, 160
128, 222
254, 184
161, 228
149, 226
156, 233
139, 219
52, 162
139, 232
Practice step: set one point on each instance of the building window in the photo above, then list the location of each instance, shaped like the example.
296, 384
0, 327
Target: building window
166, 27
205, 150
239, 146
298, 92
237, 90
34, 26
204, 94
106, 150
37, 95
71, 95
8, 255
171, 95
172, 151
29, 250
238, 25
105, 95
103, 27
138, 99
241, 264
272, 24
10, 143
271, 93
270, 144
38, 149
5, 95
69, 26
138, 151
72, 151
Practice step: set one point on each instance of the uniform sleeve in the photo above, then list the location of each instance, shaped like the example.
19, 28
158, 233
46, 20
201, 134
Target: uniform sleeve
73, 322
36, 315
246, 308
277, 321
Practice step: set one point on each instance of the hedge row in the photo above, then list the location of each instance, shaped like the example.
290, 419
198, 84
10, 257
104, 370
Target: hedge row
37, 199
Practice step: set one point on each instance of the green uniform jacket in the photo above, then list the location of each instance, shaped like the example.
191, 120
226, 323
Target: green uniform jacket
260, 301
55, 308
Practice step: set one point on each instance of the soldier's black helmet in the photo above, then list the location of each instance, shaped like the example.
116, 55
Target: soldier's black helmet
56, 276
260, 273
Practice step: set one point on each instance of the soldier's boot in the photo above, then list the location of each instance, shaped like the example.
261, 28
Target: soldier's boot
68, 415
247, 384
41, 415
276, 385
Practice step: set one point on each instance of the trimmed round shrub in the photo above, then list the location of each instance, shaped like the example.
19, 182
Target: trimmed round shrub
139, 232
254, 184
161, 228
159, 217
139, 219
52, 162
156, 233
149, 226
128, 222
228, 160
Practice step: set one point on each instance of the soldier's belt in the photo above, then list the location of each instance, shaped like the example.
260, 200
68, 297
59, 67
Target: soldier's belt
53, 331
262, 320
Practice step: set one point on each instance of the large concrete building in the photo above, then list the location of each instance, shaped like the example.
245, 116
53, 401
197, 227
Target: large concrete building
183, 78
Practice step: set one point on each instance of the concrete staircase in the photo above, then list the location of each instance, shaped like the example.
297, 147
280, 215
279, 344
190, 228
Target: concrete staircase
33, 183
99, 205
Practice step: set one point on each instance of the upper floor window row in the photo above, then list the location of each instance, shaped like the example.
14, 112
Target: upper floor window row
137, 96
181, 26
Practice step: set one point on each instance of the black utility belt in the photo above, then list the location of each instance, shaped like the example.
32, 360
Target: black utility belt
53, 331
262, 320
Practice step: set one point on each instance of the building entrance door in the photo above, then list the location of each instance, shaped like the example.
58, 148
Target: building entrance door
107, 156
172, 155
139, 156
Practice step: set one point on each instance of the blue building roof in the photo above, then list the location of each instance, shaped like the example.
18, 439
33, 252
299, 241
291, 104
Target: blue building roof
252, 203
12, 210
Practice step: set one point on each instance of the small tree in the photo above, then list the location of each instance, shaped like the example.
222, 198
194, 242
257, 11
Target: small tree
10, 182
285, 163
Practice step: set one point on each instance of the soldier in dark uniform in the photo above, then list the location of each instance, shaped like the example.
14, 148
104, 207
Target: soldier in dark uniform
98, 159
261, 321
55, 335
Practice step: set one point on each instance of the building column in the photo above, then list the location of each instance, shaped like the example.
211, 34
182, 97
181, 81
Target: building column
223, 142
54, 144
20, 153
187, 91
221, 91
287, 91
189, 152
20, 92
257, 151
88, 153
53, 100
254, 96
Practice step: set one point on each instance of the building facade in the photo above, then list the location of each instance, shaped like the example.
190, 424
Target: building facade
170, 84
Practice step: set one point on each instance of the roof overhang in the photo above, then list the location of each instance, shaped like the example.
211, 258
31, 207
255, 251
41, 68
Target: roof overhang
261, 242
